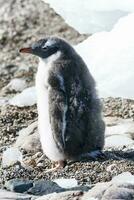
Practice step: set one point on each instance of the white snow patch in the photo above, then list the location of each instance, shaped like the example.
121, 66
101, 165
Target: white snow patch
26, 98
66, 183
90, 16
11, 156
110, 58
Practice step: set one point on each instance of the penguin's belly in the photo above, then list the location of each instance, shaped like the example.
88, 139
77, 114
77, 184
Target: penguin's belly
48, 144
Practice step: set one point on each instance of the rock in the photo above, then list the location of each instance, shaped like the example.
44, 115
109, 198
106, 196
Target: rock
120, 127
66, 183
11, 156
18, 185
69, 195
125, 177
120, 187
119, 192
6, 195
28, 138
111, 121
96, 192
26, 98
43, 187
119, 132
16, 85
118, 141
3, 101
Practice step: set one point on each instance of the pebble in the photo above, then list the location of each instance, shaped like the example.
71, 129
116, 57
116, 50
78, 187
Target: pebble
11, 156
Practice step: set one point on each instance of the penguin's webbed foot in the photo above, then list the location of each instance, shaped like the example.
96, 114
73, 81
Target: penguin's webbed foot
93, 155
57, 166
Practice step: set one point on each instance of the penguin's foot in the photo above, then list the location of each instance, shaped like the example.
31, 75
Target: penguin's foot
57, 166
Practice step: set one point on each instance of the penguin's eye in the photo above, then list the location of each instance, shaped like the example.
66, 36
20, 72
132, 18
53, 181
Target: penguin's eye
45, 47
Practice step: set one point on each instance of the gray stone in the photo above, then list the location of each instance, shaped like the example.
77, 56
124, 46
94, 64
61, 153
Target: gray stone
97, 191
70, 195
28, 138
6, 195
18, 185
119, 192
120, 187
43, 187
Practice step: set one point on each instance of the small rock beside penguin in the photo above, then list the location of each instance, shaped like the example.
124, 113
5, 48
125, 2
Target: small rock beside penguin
69, 111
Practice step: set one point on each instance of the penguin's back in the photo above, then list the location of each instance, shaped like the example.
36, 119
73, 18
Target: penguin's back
75, 109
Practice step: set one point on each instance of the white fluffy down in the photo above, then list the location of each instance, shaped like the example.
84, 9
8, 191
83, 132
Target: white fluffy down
42, 87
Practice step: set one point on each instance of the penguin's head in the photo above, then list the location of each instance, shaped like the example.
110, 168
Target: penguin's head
46, 47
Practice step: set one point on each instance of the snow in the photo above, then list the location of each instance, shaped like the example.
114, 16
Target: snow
110, 58
90, 16
11, 156
109, 53
26, 98
66, 183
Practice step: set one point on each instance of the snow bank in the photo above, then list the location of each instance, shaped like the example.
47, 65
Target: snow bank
90, 16
110, 58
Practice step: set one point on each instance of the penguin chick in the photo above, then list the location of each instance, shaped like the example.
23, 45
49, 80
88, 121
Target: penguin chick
69, 111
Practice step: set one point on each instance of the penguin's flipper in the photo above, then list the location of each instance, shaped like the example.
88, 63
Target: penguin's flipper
57, 110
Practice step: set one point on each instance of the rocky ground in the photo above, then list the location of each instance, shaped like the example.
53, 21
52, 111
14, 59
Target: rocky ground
22, 22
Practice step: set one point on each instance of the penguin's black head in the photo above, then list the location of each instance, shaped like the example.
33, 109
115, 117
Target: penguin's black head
47, 47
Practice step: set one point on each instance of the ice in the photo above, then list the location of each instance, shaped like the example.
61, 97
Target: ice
66, 183
26, 98
11, 156
90, 16
110, 58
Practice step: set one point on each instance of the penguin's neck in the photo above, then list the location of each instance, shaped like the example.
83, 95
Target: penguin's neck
43, 68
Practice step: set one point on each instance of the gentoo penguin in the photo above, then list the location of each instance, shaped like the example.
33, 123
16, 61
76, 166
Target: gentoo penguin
69, 111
